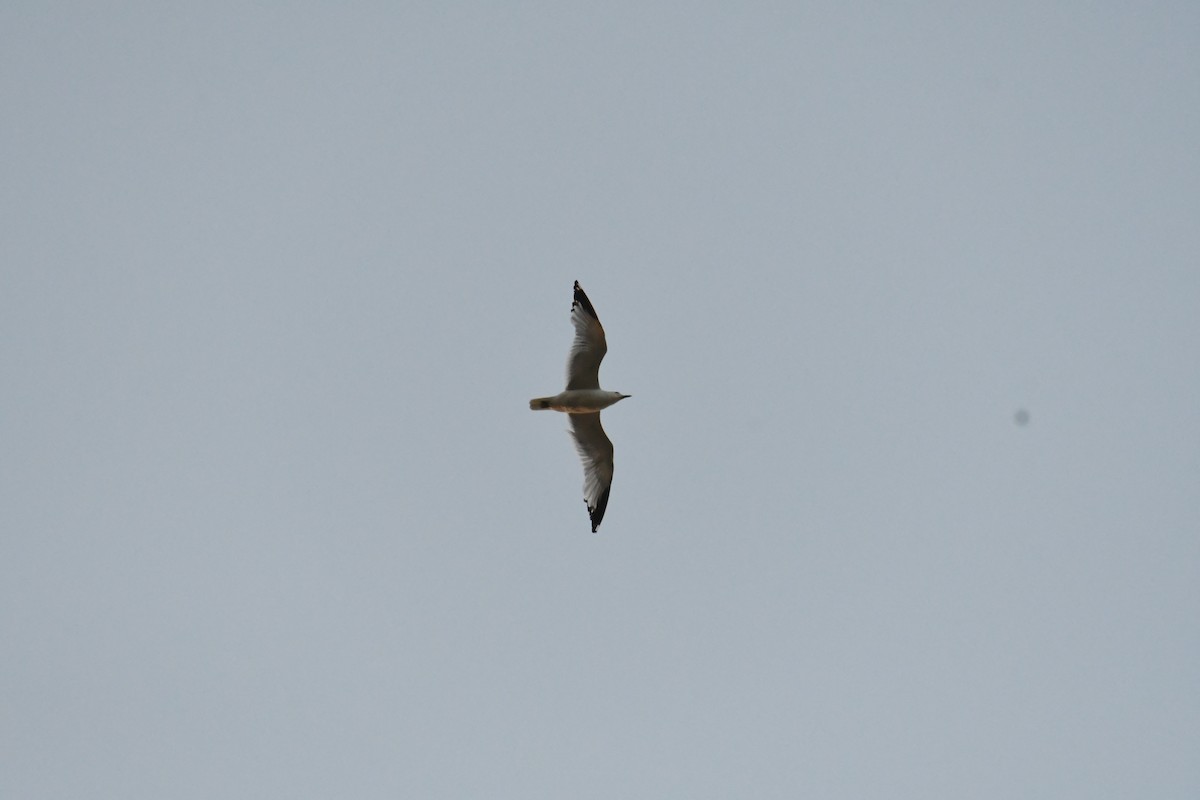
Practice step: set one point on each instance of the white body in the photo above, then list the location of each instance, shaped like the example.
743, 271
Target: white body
577, 401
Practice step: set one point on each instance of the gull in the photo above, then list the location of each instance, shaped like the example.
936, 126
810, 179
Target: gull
582, 400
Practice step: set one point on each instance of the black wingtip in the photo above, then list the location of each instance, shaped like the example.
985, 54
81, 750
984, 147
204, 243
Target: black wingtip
581, 299
597, 514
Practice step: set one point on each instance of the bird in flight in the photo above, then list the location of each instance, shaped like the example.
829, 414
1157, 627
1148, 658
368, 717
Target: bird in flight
582, 400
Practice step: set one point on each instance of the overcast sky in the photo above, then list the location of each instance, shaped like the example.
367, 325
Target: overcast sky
278, 280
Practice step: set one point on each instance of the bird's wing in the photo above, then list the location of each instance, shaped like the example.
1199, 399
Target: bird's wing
589, 347
597, 453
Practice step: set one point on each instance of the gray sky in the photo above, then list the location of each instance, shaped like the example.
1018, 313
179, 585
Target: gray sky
277, 284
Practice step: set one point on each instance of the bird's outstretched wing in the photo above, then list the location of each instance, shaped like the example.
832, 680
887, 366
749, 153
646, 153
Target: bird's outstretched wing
596, 451
589, 347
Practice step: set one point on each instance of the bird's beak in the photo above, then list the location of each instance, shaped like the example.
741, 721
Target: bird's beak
626, 395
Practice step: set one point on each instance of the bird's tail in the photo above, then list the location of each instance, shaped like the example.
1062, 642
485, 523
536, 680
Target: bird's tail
539, 403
